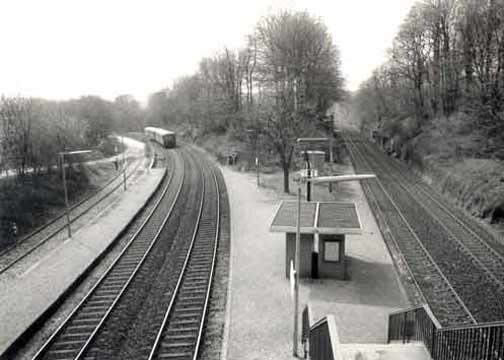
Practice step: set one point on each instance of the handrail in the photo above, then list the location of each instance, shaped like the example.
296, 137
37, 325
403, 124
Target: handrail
473, 326
402, 311
333, 335
433, 318
478, 341
318, 323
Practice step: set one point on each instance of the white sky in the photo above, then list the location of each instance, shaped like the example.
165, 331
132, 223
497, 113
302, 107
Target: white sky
61, 49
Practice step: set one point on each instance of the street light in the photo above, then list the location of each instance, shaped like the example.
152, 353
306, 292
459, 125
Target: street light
124, 162
301, 180
308, 165
255, 133
62, 160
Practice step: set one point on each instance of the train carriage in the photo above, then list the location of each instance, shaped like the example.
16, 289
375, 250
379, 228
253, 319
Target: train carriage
164, 137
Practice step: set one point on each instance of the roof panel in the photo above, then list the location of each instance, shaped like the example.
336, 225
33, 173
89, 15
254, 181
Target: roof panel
287, 212
331, 218
338, 215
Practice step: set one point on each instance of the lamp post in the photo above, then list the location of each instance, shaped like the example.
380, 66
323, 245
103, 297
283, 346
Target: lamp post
255, 133
297, 256
308, 165
62, 160
124, 162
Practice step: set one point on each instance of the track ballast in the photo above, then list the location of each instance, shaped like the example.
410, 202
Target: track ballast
458, 271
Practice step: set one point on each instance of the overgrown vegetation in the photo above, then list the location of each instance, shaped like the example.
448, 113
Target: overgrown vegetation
36, 199
438, 102
446, 61
34, 131
274, 90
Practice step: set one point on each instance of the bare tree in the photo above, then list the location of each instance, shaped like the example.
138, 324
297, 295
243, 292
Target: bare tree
17, 116
298, 66
448, 57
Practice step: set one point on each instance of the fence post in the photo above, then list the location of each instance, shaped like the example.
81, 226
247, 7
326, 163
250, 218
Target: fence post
433, 340
405, 320
389, 325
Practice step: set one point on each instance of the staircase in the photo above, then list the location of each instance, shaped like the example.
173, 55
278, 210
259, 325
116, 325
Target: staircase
413, 334
324, 344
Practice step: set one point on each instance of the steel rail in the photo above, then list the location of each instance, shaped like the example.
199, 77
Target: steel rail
212, 271
45, 347
458, 213
481, 266
462, 244
412, 232
176, 292
62, 214
62, 227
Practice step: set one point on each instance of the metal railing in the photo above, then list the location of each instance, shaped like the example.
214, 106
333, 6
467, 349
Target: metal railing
320, 341
322, 338
466, 342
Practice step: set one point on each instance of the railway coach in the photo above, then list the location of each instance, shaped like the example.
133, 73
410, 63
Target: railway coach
161, 136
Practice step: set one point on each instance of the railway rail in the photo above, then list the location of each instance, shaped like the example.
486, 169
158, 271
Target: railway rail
432, 284
475, 241
466, 260
77, 331
180, 290
34, 240
181, 331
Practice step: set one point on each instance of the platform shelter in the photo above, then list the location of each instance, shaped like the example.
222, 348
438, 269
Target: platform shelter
323, 228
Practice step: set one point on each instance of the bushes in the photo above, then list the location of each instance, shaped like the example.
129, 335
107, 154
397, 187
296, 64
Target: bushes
28, 200
32, 200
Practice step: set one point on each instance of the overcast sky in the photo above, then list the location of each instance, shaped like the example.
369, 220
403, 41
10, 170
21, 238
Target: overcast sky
61, 49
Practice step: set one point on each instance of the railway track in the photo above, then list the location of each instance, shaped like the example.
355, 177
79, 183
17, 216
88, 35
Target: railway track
34, 240
78, 330
473, 267
434, 287
466, 235
181, 331
172, 315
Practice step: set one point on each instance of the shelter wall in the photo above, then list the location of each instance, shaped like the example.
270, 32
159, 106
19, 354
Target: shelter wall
306, 253
327, 266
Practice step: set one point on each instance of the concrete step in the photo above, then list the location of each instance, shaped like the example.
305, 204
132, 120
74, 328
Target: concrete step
411, 351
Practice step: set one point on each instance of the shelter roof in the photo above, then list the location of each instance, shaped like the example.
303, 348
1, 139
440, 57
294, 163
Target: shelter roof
317, 217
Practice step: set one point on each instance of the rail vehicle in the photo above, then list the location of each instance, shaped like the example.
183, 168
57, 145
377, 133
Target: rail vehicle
164, 137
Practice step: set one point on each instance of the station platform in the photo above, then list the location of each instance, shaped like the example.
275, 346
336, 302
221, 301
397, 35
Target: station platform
26, 295
260, 308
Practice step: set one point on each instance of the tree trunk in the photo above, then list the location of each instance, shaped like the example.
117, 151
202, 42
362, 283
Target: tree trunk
285, 167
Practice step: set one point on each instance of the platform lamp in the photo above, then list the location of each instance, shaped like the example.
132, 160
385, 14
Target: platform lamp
307, 161
297, 257
255, 134
62, 160
124, 162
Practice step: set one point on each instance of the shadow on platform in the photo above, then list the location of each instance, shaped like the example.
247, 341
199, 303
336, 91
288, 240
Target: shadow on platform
369, 283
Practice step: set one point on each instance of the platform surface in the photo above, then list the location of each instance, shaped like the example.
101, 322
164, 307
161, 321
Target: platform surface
25, 296
260, 322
